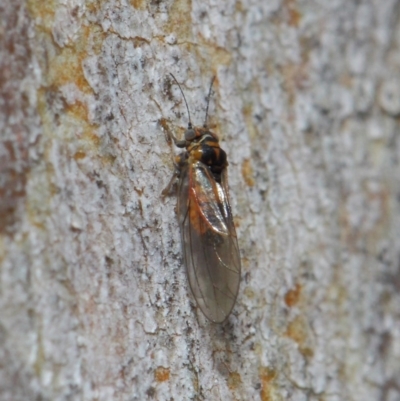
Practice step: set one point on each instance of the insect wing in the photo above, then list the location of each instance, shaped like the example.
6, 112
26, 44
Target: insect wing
209, 241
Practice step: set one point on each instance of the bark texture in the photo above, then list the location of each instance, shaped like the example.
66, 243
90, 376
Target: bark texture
94, 302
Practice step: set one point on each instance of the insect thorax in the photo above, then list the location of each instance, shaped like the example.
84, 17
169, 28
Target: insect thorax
206, 149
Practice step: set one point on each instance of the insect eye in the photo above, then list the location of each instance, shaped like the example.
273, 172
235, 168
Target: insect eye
190, 134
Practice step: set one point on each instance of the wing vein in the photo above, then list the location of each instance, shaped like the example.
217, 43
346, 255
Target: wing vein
191, 256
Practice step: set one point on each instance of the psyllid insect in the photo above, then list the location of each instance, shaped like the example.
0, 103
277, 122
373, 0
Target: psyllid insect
209, 241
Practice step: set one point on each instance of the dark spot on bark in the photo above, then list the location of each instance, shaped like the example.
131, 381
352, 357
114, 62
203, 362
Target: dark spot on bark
203, 14
100, 184
167, 85
188, 330
385, 343
74, 12
258, 117
151, 392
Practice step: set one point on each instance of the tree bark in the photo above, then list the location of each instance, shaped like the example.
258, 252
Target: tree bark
94, 301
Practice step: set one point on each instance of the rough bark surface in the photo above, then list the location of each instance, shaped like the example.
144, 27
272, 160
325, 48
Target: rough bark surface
94, 302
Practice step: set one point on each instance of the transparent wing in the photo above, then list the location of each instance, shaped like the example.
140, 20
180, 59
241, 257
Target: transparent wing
209, 241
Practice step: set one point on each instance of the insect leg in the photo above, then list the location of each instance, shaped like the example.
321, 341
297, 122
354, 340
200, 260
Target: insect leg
179, 143
169, 136
172, 183
178, 163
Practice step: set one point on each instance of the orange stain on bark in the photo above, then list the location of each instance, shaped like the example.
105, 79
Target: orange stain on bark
267, 377
292, 296
247, 173
161, 374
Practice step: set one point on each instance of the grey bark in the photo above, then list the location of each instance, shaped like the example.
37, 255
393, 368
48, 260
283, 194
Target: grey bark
94, 302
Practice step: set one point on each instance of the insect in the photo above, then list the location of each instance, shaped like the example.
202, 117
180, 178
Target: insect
209, 241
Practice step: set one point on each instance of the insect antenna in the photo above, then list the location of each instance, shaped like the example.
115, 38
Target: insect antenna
208, 102
187, 107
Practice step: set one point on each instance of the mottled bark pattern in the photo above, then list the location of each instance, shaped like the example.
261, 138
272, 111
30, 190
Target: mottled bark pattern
94, 302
